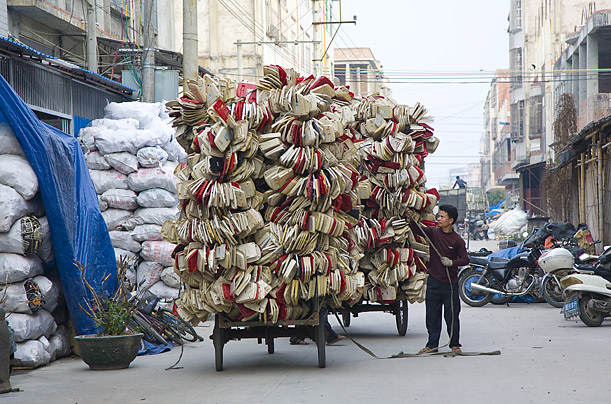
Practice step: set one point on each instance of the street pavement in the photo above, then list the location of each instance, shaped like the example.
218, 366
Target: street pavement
544, 359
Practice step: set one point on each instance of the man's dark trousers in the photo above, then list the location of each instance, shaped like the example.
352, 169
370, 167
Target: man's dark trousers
438, 295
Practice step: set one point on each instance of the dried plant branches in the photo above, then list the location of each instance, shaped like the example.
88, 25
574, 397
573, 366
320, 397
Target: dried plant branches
112, 313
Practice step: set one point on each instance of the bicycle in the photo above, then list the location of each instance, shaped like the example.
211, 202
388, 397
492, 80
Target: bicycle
160, 325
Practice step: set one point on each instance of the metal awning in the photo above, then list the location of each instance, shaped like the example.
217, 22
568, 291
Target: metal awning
9, 46
577, 143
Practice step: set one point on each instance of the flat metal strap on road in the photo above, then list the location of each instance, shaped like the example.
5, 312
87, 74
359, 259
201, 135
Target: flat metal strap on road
408, 355
448, 354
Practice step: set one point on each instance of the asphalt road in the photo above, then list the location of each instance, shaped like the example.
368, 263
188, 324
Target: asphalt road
544, 359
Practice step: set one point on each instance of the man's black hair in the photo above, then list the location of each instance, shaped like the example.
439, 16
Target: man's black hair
451, 211
458, 176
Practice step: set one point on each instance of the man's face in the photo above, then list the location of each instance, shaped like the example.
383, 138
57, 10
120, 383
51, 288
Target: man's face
443, 220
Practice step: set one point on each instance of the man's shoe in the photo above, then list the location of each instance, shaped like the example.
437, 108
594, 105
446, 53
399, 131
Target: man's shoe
336, 340
456, 350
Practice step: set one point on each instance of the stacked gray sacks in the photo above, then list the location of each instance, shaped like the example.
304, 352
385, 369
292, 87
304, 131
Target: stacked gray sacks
29, 295
131, 154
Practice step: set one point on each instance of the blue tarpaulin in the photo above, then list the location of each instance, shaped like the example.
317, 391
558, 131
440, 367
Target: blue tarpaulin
495, 210
508, 252
78, 230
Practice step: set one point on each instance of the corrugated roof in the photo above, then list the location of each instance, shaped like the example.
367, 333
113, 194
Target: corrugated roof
81, 73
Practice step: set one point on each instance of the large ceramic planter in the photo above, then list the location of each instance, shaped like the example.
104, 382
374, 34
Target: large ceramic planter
108, 352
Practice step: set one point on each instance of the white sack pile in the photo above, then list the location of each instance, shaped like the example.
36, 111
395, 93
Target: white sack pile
132, 154
27, 294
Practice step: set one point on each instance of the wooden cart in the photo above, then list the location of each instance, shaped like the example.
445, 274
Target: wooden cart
399, 308
226, 330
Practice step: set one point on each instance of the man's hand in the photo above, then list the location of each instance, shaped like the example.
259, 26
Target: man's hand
409, 215
446, 262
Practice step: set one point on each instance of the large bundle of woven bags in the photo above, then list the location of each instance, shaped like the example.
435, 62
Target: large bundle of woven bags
286, 197
131, 154
394, 145
30, 290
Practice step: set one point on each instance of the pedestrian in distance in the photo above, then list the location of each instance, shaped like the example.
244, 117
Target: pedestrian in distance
460, 183
442, 282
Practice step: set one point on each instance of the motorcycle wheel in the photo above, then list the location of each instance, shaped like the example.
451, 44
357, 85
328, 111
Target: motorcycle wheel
589, 317
552, 292
469, 296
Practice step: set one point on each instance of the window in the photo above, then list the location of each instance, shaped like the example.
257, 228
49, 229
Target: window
517, 14
494, 128
535, 118
515, 64
517, 121
340, 73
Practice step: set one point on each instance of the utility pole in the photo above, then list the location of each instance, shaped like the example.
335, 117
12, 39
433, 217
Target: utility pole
148, 57
92, 40
315, 35
190, 63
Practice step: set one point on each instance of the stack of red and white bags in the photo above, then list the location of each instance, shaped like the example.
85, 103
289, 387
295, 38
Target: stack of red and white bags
267, 197
391, 154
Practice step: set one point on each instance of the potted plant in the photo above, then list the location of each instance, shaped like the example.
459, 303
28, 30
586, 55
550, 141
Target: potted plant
116, 345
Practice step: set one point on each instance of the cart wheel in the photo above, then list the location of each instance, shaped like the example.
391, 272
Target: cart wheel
401, 316
319, 331
217, 339
270, 345
346, 318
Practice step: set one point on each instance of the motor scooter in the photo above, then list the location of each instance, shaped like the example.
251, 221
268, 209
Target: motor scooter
556, 263
559, 262
588, 296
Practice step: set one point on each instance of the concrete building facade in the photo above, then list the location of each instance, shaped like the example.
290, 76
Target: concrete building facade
496, 148
359, 69
236, 38
538, 33
580, 69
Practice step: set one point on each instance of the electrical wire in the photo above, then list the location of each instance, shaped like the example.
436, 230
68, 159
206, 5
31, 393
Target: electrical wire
253, 30
284, 53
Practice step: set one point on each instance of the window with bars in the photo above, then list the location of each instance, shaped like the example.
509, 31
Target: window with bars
515, 64
340, 73
535, 117
517, 121
517, 14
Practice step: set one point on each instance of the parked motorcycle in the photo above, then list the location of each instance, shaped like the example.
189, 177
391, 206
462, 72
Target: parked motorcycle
478, 261
588, 296
501, 278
